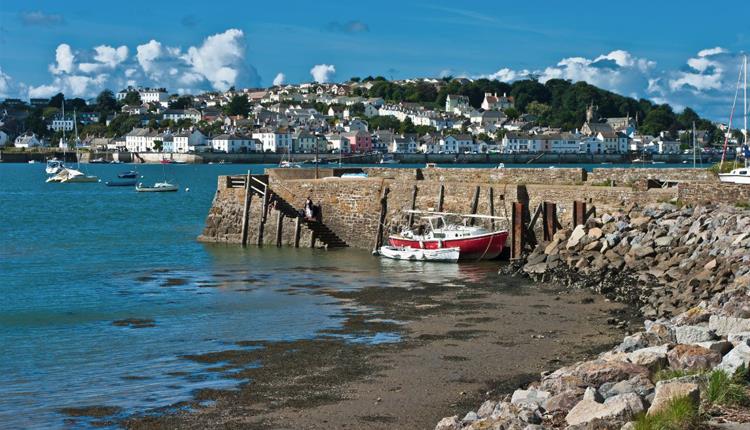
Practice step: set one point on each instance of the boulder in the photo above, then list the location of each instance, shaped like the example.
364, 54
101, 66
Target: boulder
662, 330
724, 325
735, 358
693, 334
640, 223
640, 385
552, 247
449, 423
741, 337
597, 372
575, 237
595, 233
562, 402
663, 241
720, 346
618, 408
469, 418
692, 316
642, 251
692, 357
668, 390
530, 398
652, 357
486, 409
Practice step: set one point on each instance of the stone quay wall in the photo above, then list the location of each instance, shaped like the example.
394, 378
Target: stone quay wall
560, 176
625, 176
697, 193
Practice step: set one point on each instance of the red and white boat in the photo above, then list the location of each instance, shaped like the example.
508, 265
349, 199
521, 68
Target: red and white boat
474, 243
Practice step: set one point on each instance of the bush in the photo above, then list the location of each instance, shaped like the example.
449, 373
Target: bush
725, 390
728, 167
665, 374
679, 414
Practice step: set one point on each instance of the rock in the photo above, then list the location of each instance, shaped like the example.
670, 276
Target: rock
449, 423
562, 402
711, 265
538, 268
633, 342
663, 241
552, 247
741, 337
735, 358
575, 237
641, 251
504, 410
692, 316
640, 385
531, 416
486, 409
664, 332
628, 426
720, 346
470, 417
724, 325
652, 357
640, 222
618, 408
530, 398
595, 233
692, 357
668, 390
693, 334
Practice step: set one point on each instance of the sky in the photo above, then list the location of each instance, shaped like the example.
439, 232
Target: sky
684, 53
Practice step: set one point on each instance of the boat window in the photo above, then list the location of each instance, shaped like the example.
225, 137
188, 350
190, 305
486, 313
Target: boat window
743, 172
438, 235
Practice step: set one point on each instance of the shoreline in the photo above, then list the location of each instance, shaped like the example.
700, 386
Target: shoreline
459, 345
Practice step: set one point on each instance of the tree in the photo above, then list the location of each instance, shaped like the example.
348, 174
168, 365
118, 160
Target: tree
354, 79
182, 102
406, 126
537, 109
132, 98
77, 103
57, 100
105, 103
158, 145
658, 119
239, 105
512, 113
357, 109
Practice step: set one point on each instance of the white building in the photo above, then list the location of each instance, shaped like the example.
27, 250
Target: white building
403, 145
456, 103
148, 95
61, 123
185, 139
142, 140
231, 143
492, 101
457, 144
27, 141
278, 141
178, 114
338, 144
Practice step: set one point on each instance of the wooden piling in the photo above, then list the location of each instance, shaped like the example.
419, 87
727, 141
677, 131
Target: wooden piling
491, 196
279, 226
474, 204
246, 210
381, 218
297, 231
413, 205
518, 232
441, 196
264, 211
579, 211
549, 220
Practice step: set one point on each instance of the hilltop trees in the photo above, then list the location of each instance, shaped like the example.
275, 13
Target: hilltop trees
239, 105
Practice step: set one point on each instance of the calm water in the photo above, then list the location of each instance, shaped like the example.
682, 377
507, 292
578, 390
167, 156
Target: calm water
74, 258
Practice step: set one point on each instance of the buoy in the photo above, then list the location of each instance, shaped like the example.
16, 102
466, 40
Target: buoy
187, 189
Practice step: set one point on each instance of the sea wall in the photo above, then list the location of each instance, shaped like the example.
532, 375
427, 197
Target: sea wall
626, 177
697, 193
559, 176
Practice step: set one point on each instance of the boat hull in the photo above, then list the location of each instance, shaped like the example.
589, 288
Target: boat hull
734, 179
415, 254
481, 247
156, 189
121, 183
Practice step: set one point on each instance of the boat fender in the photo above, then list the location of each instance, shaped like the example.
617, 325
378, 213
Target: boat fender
421, 245
187, 189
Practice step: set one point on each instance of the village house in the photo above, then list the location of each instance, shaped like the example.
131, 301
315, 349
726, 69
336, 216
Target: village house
456, 103
28, 140
178, 114
359, 141
232, 143
277, 141
142, 140
60, 123
338, 144
185, 139
493, 102
403, 145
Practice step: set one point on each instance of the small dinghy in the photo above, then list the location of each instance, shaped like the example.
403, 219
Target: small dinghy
418, 254
130, 183
159, 187
128, 174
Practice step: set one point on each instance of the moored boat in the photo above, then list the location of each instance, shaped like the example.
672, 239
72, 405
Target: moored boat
159, 187
417, 254
128, 174
126, 183
54, 166
474, 243
289, 165
736, 176
99, 160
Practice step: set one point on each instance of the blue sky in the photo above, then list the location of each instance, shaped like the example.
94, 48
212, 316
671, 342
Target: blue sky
653, 43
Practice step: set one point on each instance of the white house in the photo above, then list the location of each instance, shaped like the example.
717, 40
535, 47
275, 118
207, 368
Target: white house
514, 143
61, 123
185, 139
370, 110
141, 140
457, 144
305, 143
278, 141
403, 145
231, 143
492, 101
338, 144
456, 103
27, 141
178, 114
667, 146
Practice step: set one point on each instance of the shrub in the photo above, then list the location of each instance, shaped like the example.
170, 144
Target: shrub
679, 414
664, 374
725, 390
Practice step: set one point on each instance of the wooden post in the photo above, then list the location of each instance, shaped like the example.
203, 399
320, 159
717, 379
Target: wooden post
518, 232
279, 226
413, 205
264, 210
474, 204
441, 195
549, 216
579, 211
381, 218
297, 231
313, 238
492, 207
246, 210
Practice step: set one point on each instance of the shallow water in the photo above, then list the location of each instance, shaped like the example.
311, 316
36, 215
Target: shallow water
76, 258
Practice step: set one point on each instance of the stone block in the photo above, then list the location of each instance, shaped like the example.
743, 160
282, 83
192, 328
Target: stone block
666, 391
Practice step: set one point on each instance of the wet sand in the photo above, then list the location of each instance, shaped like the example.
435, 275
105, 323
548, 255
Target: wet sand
460, 344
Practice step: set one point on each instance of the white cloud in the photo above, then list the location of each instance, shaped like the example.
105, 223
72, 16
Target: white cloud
105, 57
323, 72
64, 59
220, 59
147, 54
5, 83
279, 79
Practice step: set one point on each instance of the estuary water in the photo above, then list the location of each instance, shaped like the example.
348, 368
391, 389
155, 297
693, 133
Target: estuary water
104, 290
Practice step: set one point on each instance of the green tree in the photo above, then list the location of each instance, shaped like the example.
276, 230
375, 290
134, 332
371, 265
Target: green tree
182, 102
239, 105
158, 145
539, 110
57, 100
105, 102
660, 118
357, 109
354, 79
512, 113
132, 99
406, 126
77, 103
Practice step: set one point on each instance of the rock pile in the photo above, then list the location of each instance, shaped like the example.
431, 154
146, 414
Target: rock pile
689, 270
664, 258
611, 390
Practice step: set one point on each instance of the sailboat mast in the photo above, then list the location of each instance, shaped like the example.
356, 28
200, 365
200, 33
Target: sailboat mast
64, 144
693, 144
744, 103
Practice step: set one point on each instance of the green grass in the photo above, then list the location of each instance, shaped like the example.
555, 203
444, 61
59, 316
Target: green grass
679, 414
728, 167
743, 205
665, 374
723, 389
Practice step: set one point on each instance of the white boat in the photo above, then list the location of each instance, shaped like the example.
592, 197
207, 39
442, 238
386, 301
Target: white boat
736, 176
388, 159
159, 187
32, 161
54, 166
289, 165
415, 254
69, 175
500, 166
